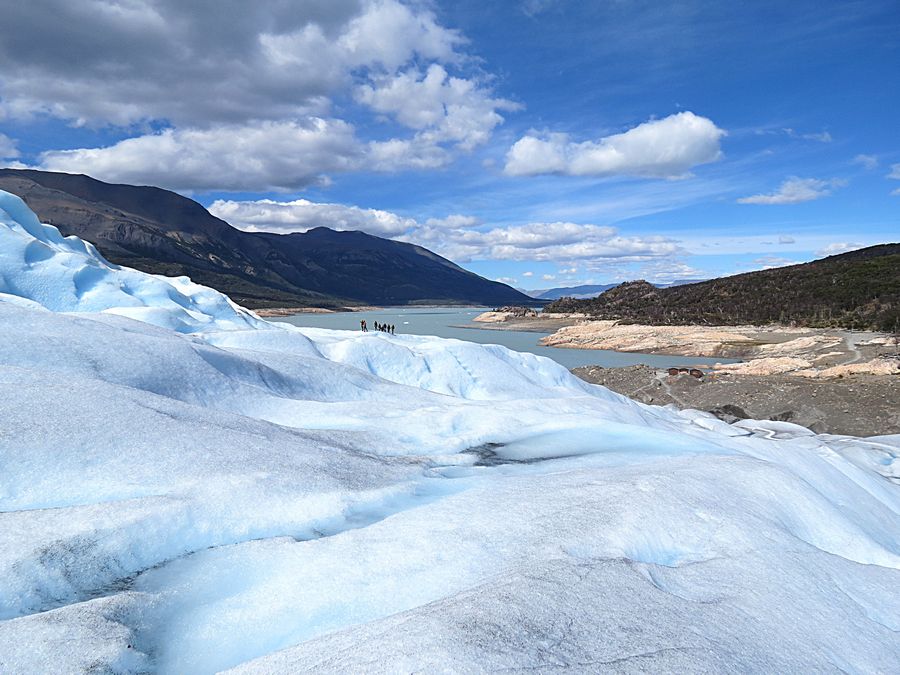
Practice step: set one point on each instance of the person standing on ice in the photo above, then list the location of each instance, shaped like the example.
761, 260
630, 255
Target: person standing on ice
362, 326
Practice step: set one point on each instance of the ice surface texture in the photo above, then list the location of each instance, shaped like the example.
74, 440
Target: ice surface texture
66, 274
187, 488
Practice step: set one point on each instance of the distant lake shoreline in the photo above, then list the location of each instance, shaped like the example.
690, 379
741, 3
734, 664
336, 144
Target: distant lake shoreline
456, 323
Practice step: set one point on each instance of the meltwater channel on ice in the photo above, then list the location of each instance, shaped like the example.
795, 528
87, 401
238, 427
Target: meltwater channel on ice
185, 487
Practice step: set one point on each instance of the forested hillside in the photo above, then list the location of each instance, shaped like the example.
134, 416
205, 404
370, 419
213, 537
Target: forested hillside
859, 289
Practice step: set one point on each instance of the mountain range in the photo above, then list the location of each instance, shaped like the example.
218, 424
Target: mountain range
586, 291
162, 232
859, 289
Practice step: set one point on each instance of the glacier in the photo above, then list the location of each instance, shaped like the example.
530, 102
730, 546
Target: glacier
185, 487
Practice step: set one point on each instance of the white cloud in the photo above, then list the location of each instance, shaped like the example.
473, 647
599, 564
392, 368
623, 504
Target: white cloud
395, 154
262, 156
527, 274
822, 137
895, 174
772, 261
266, 215
532, 8
121, 63
548, 277
785, 239
868, 162
541, 242
269, 80
458, 237
388, 33
838, 247
665, 272
8, 149
454, 221
443, 108
794, 191
666, 148
509, 281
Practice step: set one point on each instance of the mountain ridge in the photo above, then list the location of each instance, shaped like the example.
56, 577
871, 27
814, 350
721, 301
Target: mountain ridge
588, 291
161, 232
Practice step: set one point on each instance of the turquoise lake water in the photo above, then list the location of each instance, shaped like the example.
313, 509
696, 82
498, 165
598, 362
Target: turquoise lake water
455, 322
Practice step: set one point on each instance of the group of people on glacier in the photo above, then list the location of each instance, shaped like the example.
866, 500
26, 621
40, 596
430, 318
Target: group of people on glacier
383, 327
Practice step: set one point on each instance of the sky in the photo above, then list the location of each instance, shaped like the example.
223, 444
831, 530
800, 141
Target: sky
542, 143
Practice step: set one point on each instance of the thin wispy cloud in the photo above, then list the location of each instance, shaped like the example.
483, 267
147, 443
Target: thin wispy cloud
838, 247
868, 162
795, 191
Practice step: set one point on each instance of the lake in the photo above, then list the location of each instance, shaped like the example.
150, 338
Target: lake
456, 322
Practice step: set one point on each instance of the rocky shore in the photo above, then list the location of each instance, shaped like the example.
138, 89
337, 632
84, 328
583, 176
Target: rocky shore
831, 381
766, 350
859, 405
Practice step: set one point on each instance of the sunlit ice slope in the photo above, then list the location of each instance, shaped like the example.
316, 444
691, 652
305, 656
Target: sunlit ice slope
187, 488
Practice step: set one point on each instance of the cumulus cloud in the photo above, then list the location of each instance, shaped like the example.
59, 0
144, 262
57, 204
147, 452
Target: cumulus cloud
868, 162
8, 148
459, 237
794, 191
666, 148
541, 242
442, 107
527, 274
260, 156
895, 172
266, 215
203, 76
548, 277
785, 239
192, 64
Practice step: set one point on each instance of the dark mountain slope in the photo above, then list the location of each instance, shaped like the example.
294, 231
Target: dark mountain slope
161, 232
859, 289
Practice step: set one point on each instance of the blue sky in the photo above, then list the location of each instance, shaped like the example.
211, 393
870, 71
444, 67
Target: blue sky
544, 143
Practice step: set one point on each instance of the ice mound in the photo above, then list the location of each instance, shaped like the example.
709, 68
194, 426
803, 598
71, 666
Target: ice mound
66, 274
187, 488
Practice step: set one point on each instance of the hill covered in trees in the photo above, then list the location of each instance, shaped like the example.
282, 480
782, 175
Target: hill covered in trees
859, 289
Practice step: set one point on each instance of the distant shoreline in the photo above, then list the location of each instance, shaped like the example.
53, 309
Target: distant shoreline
290, 311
